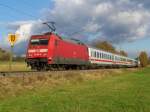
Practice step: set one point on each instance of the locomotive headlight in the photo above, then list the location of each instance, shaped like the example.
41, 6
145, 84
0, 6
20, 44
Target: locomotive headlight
49, 58
43, 50
31, 51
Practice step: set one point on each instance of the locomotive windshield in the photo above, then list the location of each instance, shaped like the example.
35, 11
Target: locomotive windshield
39, 42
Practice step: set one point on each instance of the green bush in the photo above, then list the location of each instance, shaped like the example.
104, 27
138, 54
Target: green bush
4, 56
149, 60
143, 59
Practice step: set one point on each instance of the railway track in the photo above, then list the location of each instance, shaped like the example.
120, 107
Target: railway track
20, 73
10, 73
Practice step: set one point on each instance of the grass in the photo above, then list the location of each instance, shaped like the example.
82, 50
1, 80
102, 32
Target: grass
99, 91
16, 66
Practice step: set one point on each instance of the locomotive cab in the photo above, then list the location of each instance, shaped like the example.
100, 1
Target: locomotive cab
37, 51
38, 47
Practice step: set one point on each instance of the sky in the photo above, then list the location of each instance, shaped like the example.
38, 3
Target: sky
124, 23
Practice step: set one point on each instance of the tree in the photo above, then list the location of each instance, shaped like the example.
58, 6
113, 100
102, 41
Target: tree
149, 60
4, 56
143, 59
123, 53
106, 46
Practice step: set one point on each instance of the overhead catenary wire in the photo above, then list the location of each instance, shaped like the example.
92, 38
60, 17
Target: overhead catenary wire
27, 4
17, 10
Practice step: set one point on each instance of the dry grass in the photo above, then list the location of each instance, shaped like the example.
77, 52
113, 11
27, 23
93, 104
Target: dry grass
16, 66
15, 85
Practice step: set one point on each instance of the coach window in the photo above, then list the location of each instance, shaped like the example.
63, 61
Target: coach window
91, 54
116, 58
104, 56
95, 54
99, 55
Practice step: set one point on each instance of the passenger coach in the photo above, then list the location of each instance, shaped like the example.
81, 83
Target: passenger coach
103, 58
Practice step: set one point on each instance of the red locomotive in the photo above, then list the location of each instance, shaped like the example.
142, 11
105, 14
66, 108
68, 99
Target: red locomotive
50, 51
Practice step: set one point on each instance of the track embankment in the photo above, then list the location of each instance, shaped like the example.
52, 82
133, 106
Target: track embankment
24, 73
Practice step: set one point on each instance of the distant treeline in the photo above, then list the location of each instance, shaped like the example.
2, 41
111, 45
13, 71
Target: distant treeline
5, 56
106, 46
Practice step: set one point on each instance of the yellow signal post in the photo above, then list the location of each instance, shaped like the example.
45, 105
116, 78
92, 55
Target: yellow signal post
12, 40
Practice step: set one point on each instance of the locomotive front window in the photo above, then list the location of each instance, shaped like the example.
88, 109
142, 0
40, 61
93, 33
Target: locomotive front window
39, 42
